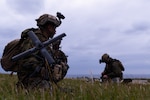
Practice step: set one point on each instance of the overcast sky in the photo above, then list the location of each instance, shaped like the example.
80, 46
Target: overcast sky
120, 28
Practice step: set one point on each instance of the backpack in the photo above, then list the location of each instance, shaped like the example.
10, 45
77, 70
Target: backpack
120, 64
10, 50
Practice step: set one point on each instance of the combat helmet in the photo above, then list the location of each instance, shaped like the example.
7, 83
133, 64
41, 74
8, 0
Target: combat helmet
47, 18
104, 58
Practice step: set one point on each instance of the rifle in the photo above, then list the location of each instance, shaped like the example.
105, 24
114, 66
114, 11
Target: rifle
38, 45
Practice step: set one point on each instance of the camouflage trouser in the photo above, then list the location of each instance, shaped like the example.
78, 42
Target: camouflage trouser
116, 80
112, 80
44, 84
36, 84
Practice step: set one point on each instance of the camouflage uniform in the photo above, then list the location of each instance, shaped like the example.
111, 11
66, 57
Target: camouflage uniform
29, 71
61, 59
34, 70
113, 67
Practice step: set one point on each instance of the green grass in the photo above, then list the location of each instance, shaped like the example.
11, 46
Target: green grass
75, 89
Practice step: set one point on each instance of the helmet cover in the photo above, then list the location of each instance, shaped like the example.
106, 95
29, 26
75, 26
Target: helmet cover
45, 18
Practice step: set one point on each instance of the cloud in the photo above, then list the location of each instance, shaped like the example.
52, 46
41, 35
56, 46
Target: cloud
93, 27
25, 6
139, 28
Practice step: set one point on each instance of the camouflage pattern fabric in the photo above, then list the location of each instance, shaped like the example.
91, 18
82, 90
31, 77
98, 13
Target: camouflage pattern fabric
11, 49
113, 69
60, 69
30, 66
33, 71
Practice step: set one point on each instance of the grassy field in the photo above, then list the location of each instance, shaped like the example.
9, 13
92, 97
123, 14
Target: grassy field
76, 89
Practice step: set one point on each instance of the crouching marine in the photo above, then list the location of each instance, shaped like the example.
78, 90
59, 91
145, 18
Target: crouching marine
36, 60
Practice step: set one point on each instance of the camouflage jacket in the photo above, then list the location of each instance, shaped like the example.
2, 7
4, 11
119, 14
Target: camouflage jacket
113, 69
29, 64
34, 67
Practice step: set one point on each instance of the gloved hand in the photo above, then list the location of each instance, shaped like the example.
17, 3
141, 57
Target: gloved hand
105, 76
